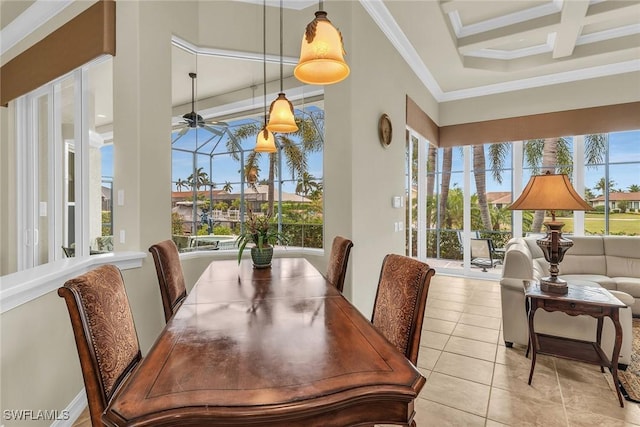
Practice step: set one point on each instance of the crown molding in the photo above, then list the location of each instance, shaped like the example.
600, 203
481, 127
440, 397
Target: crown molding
28, 21
387, 24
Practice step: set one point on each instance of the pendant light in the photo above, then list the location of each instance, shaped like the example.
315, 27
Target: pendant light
322, 53
265, 142
281, 118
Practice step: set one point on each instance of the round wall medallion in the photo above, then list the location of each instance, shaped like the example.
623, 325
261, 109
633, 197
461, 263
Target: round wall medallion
385, 131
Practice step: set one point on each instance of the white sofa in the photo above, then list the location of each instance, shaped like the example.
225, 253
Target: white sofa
612, 262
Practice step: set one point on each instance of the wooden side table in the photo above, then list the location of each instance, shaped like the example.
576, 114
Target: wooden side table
580, 300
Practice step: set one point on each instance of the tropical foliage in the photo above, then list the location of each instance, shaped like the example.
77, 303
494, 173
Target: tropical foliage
260, 230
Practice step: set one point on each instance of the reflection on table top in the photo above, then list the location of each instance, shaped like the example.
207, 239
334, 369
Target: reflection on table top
279, 346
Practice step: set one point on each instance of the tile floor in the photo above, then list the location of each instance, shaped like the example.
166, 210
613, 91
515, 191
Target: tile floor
474, 380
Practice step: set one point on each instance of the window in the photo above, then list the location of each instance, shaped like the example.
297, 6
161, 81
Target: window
607, 173
217, 178
61, 199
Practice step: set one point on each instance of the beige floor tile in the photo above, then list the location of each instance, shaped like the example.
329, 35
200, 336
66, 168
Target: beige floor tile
457, 393
481, 321
514, 378
510, 354
580, 418
445, 305
427, 357
449, 296
438, 325
517, 410
476, 333
491, 423
438, 313
484, 311
484, 301
434, 414
467, 368
434, 340
466, 347
585, 392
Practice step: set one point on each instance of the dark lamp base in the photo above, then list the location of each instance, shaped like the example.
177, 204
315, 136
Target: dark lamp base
554, 285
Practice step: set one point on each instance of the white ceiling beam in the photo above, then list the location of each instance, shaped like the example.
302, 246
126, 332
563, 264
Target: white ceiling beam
490, 39
572, 20
612, 10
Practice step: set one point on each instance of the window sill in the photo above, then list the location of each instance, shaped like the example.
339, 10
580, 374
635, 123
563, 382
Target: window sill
23, 286
279, 251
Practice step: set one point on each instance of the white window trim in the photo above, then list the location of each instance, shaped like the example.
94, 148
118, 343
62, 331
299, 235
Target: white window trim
23, 286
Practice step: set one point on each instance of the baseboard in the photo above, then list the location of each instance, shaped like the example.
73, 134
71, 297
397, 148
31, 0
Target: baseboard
74, 409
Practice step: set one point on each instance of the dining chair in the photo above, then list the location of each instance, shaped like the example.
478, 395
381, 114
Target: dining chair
104, 332
170, 276
399, 306
338, 260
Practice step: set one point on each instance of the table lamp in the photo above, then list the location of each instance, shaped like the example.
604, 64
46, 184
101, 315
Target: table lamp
551, 192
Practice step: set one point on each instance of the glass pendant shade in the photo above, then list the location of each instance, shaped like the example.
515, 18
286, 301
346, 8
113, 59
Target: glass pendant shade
281, 117
266, 142
322, 53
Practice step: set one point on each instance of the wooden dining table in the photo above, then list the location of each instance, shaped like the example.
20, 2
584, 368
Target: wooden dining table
267, 347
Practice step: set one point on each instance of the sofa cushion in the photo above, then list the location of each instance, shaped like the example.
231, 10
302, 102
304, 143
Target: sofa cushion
604, 281
623, 256
630, 285
586, 256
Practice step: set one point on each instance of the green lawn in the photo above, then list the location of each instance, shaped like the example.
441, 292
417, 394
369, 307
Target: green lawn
619, 223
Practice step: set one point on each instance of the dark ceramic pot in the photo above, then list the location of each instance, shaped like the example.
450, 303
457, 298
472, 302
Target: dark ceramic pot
262, 257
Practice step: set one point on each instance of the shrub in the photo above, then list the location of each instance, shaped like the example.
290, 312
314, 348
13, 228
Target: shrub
222, 230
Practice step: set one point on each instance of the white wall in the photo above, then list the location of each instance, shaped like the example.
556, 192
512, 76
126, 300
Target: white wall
361, 176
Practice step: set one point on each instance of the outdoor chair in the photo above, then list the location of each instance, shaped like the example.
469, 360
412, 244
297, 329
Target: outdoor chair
170, 276
399, 306
104, 332
496, 253
482, 254
338, 260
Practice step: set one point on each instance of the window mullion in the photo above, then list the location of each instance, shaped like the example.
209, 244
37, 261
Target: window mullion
422, 199
82, 179
23, 169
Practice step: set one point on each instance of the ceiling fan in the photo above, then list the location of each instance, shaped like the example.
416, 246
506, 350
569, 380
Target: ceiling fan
194, 120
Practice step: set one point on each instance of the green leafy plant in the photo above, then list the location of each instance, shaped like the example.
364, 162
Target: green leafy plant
261, 231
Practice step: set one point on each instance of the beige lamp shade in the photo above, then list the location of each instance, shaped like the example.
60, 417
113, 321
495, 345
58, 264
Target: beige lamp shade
281, 118
322, 53
552, 192
266, 142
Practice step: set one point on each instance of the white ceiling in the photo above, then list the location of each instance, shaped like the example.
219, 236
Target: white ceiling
458, 48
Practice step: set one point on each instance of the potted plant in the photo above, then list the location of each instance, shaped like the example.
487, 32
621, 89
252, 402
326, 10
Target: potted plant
259, 230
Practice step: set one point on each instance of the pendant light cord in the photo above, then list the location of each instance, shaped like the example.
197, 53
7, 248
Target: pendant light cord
281, 88
264, 58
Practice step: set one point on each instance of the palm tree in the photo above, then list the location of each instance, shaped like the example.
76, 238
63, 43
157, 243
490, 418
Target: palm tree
181, 183
201, 179
602, 185
447, 163
306, 184
588, 194
479, 174
634, 188
309, 135
548, 154
227, 188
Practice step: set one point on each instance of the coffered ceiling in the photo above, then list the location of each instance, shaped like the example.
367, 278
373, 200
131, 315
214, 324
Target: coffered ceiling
465, 48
